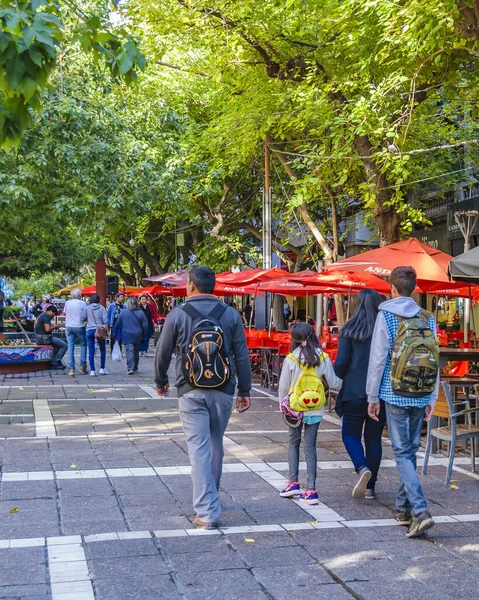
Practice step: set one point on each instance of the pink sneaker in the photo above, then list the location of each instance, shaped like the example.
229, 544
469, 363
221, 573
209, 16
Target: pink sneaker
292, 489
310, 497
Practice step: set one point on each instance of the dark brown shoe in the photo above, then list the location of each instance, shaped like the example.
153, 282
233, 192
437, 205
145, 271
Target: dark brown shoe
83, 370
199, 524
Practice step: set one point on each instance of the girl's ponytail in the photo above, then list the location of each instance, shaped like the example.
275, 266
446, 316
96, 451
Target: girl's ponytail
304, 337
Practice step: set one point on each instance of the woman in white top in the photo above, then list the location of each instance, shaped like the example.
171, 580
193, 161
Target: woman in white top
307, 352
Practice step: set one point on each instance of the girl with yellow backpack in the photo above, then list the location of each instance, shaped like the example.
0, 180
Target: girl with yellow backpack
302, 399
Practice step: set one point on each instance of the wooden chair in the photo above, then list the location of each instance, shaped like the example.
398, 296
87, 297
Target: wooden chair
453, 432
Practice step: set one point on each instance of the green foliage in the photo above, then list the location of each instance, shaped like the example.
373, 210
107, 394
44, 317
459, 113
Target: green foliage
31, 36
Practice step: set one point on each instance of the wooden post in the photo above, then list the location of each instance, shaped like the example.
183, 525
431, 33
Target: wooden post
100, 272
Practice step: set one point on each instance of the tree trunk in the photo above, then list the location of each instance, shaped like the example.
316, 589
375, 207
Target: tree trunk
278, 313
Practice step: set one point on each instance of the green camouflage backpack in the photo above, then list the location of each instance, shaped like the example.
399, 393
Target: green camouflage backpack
415, 357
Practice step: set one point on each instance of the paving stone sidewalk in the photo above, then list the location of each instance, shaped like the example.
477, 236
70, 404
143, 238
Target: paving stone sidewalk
96, 504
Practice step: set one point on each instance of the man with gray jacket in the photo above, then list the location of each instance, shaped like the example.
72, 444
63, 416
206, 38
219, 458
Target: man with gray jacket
204, 412
405, 413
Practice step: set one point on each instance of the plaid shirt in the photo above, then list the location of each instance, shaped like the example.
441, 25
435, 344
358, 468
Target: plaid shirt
385, 390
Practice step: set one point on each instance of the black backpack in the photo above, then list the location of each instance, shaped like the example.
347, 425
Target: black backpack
205, 362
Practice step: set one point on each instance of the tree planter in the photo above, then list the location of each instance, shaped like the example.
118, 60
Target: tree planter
22, 359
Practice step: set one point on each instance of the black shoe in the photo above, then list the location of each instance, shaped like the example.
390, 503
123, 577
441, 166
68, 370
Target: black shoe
420, 525
370, 494
58, 367
403, 517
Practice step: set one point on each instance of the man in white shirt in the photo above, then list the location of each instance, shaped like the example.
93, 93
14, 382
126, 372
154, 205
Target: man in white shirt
75, 321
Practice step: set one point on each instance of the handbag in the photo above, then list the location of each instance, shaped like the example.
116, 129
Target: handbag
100, 333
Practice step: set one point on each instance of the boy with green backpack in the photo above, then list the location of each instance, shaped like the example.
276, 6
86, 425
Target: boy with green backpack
404, 373
302, 399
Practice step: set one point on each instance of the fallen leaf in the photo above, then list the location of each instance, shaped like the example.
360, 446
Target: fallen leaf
147, 379
454, 480
73, 466
21, 389
313, 522
15, 510
469, 507
271, 406
234, 410
453, 487
251, 540
331, 452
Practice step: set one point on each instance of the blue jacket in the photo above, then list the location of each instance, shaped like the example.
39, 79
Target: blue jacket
111, 312
352, 366
133, 325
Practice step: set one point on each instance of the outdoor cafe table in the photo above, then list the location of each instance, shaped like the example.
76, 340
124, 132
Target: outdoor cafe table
457, 354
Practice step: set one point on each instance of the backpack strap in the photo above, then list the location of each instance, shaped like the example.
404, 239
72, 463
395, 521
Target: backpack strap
322, 357
191, 311
218, 311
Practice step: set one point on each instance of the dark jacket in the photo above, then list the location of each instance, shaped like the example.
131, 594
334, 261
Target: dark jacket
352, 366
133, 326
176, 334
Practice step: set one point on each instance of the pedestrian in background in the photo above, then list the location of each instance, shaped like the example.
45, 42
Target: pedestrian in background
114, 311
149, 310
97, 329
44, 335
352, 404
134, 328
75, 321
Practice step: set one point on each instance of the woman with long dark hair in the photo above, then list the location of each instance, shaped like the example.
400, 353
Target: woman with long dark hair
352, 405
306, 352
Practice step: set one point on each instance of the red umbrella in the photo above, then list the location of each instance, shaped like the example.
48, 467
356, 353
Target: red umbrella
294, 288
453, 288
154, 290
251, 276
344, 280
430, 264
221, 289
179, 278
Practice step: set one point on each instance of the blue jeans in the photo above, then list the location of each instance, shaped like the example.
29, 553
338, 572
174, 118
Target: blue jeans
90, 338
145, 343
75, 334
310, 453
404, 426
60, 350
132, 357
355, 418
204, 416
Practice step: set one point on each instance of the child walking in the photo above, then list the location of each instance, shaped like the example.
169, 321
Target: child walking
306, 352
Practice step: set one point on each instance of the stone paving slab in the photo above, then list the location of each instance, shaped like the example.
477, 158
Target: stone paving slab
75, 491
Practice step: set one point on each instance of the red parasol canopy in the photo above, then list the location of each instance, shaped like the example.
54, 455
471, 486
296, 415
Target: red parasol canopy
125, 289
345, 280
251, 276
294, 288
221, 289
154, 290
430, 264
179, 278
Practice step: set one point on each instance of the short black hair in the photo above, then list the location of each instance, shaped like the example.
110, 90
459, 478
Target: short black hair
94, 298
118, 294
204, 279
404, 280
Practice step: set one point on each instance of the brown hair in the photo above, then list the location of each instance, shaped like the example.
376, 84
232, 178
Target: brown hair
404, 280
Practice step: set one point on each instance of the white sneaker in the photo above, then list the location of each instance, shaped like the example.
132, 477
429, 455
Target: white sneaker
102, 371
92, 373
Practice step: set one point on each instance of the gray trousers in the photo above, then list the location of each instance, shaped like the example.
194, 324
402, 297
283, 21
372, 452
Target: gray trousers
310, 437
204, 416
